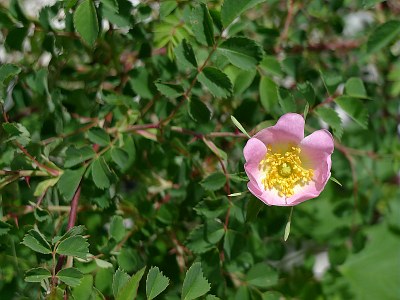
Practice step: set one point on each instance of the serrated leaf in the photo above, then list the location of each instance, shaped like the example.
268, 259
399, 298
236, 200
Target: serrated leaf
37, 275
212, 208
169, 90
76, 246
75, 156
100, 173
120, 157
117, 228
195, 284
242, 52
99, 136
70, 276
355, 88
17, 132
85, 21
69, 182
76, 230
216, 81
185, 55
355, 108
231, 9
129, 290
214, 181
239, 126
332, 118
262, 275
120, 278
205, 237
199, 111
383, 35
308, 92
268, 93
202, 24
37, 242
7, 71
286, 100
156, 283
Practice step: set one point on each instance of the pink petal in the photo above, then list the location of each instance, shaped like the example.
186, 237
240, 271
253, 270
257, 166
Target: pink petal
289, 128
254, 152
318, 145
268, 197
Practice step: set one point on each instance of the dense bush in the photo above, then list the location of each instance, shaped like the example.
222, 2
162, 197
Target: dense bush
123, 127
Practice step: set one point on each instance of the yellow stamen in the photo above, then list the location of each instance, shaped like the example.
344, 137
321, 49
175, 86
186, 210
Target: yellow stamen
284, 171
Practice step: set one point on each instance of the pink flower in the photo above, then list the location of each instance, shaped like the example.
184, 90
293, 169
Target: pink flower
284, 167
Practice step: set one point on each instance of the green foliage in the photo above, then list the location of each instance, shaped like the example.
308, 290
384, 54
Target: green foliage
156, 283
195, 284
122, 136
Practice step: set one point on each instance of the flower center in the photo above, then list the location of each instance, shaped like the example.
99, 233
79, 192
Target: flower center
284, 171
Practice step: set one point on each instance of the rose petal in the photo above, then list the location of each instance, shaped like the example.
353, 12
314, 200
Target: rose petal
268, 197
288, 129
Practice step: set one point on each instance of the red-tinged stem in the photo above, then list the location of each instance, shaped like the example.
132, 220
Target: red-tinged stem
71, 223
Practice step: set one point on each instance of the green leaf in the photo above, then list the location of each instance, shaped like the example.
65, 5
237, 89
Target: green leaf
355, 88
268, 93
216, 81
355, 108
111, 5
156, 283
195, 284
37, 242
7, 71
76, 230
242, 52
75, 156
4, 227
117, 228
307, 90
205, 237
44, 185
76, 246
129, 290
100, 173
383, 35
120, 278
17, 132
85, 21
286, 100
167, 7
69, 182
120, 157
262, 275
214, 181
185, 55
239, 126
169, 90
231, 9
202, 24
335, 180
332, 118
287, 227
379, 256
271, 65
199, 111
70, 276
37, 275
254, 206
99, 136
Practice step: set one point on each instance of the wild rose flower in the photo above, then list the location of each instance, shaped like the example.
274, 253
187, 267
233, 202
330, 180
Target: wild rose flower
284, 167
